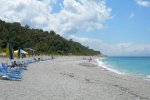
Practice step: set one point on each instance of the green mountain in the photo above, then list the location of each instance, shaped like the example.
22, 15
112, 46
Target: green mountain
42, 41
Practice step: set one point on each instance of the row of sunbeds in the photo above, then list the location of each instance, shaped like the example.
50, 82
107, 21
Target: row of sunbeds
14, 71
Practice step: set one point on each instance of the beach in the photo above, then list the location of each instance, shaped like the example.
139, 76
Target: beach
72, 78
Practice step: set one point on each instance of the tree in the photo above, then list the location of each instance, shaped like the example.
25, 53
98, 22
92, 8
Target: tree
27, 26
42, 41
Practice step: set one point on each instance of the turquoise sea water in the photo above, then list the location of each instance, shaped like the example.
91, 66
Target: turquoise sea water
128, 65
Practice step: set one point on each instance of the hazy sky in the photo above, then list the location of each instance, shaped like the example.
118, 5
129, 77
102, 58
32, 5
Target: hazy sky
115, 27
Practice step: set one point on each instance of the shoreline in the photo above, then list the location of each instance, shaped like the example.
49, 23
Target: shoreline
116, 71
64, 78
104, 66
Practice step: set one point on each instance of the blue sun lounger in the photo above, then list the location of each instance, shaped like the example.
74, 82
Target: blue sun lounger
5, 74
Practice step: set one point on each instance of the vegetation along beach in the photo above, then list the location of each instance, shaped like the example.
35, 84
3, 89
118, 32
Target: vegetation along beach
74, 50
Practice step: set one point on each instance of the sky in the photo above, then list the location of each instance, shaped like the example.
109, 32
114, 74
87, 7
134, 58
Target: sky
114, 27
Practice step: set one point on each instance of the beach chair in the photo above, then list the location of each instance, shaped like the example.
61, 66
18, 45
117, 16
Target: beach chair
16, 76
5, 74
4, 67
10, 69
1, 71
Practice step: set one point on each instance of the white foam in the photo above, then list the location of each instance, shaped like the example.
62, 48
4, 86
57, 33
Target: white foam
148, 76
102, 64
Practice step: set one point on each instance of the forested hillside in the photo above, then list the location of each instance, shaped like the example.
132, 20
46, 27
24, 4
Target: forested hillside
42, 41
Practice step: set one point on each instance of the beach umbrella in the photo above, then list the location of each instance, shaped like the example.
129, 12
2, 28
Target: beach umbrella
9, 51
19, 52
23, 52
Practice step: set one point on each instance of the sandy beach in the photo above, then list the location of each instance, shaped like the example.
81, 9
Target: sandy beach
72, 78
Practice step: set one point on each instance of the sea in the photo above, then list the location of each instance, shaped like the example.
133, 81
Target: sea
127, 65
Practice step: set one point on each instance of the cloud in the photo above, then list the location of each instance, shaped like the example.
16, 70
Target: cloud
83, 39
143, 3
118, 49
31, 12
73, 16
